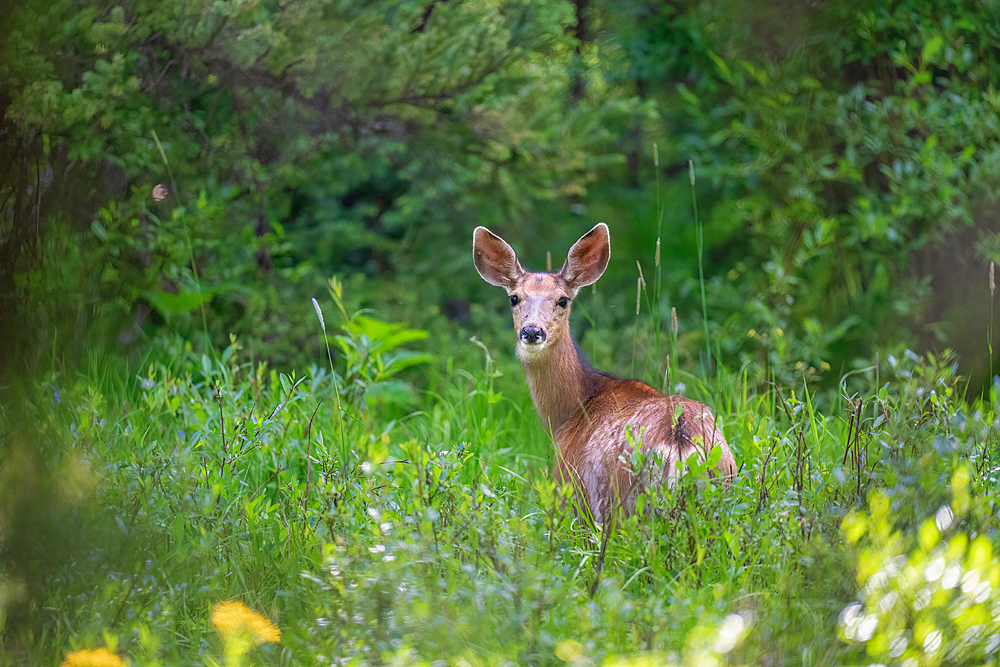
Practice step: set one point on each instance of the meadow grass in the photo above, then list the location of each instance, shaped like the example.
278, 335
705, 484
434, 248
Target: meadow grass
373, 523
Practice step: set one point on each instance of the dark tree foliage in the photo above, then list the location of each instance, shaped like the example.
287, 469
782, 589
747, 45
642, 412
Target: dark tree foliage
173, 157
852, 151
181, 171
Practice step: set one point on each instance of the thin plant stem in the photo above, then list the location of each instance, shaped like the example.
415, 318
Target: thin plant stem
166, 163
187, 236
989, 345
989, 330
635, 337
700, 235
336, 290
674, 330
657, 282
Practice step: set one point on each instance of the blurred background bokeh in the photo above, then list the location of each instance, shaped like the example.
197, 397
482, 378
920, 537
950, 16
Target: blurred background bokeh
173, 173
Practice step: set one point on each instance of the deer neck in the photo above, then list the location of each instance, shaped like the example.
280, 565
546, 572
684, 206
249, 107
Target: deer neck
560, 381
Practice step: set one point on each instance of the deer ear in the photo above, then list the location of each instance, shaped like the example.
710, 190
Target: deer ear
494, 259
588, 257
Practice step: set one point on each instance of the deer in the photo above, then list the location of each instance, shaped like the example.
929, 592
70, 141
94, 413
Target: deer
594, 418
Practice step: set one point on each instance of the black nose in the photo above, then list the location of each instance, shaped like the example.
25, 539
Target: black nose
532, 334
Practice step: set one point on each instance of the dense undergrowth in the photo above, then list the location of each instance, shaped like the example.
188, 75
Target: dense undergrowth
183, 175
374, 524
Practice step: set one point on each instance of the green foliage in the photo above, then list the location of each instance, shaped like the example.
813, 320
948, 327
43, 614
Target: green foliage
372, 535
850, 147
846, 161
240, 147
925, 598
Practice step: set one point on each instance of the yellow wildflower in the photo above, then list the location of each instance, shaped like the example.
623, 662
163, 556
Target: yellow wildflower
779, 332
97, 658
825, 366
752, 333
233, 617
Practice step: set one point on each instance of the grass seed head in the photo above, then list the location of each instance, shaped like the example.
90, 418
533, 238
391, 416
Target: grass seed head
319, 314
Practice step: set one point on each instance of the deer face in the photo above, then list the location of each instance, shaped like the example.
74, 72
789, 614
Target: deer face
541, 302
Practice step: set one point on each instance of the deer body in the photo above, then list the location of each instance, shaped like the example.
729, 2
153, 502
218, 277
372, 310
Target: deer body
591, 414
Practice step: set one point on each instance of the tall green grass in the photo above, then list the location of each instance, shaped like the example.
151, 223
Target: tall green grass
397, 506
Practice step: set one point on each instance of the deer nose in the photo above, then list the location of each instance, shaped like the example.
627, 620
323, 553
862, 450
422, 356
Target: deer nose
532, 334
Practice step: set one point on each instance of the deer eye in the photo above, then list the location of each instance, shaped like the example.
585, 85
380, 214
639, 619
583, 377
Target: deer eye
514, 300
563, 302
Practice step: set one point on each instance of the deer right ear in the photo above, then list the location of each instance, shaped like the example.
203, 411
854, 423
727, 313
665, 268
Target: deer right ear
588, 258
494, 259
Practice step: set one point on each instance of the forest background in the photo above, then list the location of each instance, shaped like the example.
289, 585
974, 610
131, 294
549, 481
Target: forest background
801, 192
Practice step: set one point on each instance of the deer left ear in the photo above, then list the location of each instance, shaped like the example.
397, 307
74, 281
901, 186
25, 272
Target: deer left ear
588, 258
494, 259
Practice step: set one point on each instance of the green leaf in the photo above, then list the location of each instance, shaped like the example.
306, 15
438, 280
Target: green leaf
401, 359
713, 458
394, 392
169, 305
724, 71
931, 48
99, 230
687, 95
386, 335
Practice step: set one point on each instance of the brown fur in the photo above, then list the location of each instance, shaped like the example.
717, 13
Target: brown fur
588, 412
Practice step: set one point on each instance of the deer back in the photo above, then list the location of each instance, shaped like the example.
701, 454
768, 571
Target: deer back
595, 445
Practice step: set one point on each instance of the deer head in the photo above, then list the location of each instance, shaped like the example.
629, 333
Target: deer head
541, 302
